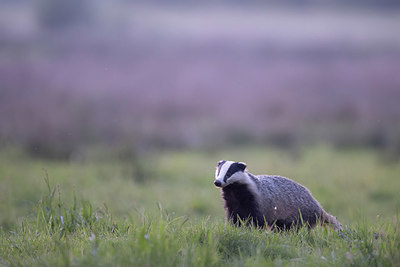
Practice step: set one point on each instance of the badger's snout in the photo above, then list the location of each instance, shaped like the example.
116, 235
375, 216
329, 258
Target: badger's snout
218, 183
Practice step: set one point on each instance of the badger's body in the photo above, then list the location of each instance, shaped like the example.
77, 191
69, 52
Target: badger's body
263, 199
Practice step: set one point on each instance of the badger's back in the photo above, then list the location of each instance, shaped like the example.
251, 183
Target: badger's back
283, 201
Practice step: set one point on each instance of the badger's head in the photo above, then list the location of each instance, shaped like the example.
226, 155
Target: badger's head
229, 172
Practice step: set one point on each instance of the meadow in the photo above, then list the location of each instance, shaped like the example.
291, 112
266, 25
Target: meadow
161, 209
114, 114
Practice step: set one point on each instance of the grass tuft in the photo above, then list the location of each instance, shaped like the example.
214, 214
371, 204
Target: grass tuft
55, 217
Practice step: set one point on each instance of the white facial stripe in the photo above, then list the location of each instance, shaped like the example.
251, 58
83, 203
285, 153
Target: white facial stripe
223, 171
238, 177
218, 169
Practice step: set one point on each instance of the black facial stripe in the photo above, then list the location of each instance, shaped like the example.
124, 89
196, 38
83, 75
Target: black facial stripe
235, 167
220, 164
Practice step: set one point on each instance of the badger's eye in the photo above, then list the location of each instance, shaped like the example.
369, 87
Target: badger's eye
229, 173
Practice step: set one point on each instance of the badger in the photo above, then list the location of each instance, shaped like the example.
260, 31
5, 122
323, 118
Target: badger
269, 201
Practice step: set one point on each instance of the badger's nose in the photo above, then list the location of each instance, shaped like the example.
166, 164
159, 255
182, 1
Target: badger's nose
217, 183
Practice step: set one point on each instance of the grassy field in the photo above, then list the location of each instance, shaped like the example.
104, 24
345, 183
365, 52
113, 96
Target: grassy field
162, 209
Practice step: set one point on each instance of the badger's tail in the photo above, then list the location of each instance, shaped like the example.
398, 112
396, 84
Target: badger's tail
331, 220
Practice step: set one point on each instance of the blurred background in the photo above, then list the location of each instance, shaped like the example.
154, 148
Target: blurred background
132, 80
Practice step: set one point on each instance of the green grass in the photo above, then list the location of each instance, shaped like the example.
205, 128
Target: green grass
96, 211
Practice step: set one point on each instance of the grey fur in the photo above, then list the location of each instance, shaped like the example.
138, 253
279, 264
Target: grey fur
281, 202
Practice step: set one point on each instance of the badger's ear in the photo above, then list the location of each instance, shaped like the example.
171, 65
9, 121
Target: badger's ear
242, 166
